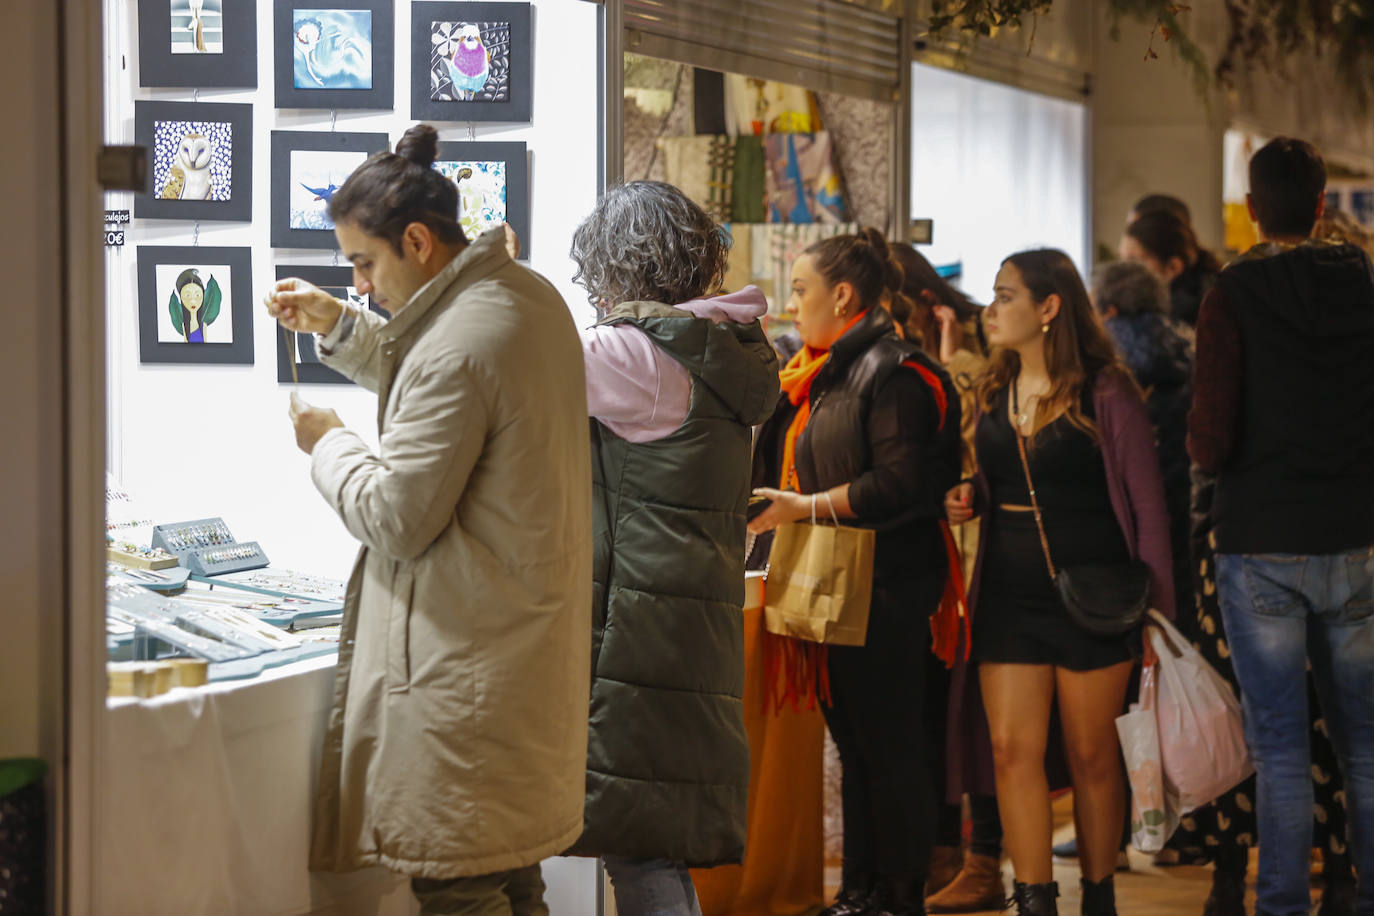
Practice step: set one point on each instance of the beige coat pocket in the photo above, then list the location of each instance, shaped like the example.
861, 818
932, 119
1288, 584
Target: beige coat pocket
398, 630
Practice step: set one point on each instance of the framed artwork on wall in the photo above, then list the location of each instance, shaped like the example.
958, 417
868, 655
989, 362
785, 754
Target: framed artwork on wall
338, 282
195, 305
470, 61
334, 53
307, 168
200, 44
493, 182
201, 160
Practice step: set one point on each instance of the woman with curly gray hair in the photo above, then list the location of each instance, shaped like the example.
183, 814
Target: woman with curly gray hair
675, 381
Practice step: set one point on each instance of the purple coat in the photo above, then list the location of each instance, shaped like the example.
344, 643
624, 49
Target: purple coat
1136, 488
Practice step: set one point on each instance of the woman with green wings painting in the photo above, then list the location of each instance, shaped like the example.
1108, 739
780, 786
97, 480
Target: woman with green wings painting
194, 305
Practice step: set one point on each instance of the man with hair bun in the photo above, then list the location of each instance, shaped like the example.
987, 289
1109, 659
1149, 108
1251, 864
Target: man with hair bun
457, 740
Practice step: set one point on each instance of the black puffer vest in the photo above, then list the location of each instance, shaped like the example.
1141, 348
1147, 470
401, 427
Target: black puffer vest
667, 756
833, 449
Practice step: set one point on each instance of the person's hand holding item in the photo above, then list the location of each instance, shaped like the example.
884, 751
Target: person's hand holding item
311, 423
303, 307
951, 332
785, 506
959, 504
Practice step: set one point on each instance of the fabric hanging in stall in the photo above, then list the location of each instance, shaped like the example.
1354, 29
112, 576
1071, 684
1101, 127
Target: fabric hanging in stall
751, 183
803, 183
703, 168
754, 106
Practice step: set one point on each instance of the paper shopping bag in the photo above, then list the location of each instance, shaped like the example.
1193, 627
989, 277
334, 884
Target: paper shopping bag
820, 583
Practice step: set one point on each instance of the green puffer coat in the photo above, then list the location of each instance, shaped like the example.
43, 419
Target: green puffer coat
668, 759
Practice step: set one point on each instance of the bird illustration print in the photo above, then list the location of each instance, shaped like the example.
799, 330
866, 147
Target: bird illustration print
471, 62
325, 194
190, 174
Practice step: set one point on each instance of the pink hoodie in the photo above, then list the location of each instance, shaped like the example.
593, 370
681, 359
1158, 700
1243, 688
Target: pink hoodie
637, 390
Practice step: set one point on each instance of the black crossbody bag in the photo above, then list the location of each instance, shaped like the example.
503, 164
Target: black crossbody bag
1106, 599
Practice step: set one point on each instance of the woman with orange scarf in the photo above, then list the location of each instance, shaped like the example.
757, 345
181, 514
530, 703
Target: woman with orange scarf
867, 427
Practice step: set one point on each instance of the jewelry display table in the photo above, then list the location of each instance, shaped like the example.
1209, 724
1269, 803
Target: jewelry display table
205, 799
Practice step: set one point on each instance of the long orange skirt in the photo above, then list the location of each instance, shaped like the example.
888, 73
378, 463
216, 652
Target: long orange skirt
784, 857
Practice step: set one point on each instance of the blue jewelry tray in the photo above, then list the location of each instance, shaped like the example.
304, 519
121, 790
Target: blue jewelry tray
301, 608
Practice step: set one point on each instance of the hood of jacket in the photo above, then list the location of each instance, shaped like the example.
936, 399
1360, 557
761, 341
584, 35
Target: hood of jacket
1318, 289
720, 341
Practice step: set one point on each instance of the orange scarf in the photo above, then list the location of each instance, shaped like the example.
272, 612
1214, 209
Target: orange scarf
795, 379
796, 670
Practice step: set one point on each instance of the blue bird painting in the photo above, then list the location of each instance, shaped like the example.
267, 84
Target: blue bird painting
324, 194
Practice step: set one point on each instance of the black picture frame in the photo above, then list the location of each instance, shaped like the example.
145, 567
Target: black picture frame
311, 371
234, 67
151, 305
516, 108
516, 157
239, 118
383, 92
284, 143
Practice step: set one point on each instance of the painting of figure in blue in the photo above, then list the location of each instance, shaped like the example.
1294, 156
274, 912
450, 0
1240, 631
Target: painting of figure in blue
315, 176
333, 49
198, 308
197, 26
481, 193
469, 61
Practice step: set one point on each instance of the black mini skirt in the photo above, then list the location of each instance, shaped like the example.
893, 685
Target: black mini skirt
1019, 618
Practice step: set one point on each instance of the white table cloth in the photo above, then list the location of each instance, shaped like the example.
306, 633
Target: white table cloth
205, 803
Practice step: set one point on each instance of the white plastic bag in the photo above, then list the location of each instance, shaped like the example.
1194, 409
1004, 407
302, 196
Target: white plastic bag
1201, 733
1154, 805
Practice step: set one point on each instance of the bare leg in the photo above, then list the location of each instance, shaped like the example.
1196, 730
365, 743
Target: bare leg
1089, 702
1018, 700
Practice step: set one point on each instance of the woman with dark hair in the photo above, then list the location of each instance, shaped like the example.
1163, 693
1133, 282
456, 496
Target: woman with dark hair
456, 748
677, 376
934, 314
1134, 304
1090, 476
867, 429
191, 300
947, 325
1167, 246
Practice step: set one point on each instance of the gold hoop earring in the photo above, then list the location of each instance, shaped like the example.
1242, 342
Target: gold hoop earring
840, 311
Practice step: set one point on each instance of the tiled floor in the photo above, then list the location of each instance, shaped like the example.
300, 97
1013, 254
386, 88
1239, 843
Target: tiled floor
1145, 890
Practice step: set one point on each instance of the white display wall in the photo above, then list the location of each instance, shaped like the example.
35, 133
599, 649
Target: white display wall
195, 441
999, 169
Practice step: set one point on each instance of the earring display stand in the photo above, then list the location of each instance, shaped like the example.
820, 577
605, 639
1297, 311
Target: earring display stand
207, 548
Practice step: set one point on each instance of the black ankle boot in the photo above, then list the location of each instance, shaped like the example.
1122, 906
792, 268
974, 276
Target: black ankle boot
1099, 897
853, 897
1036, 899
898, 895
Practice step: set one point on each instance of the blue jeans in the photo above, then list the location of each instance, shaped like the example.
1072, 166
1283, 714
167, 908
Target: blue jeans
651, 887
1283, 611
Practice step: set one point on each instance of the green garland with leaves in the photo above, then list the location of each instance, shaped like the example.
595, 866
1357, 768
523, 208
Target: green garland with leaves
1260, 34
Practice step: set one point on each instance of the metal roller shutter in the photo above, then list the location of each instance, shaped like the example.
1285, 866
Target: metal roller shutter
826, 45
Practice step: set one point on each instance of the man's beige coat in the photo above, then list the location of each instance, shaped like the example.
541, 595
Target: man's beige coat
457, 742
